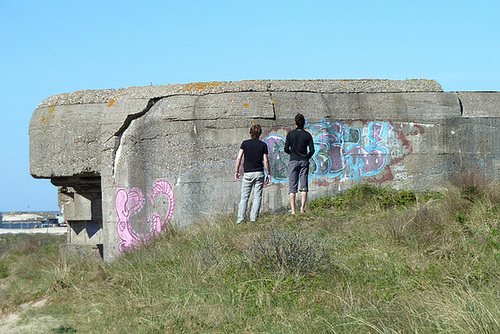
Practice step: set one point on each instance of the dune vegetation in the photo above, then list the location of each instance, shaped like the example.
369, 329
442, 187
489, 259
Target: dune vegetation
371, 260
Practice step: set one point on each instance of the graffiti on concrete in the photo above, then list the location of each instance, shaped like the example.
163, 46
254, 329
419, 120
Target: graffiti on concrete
278, 159
141, 217
341, 151
401, 174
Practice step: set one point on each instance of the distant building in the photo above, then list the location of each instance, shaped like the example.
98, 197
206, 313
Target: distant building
16, 220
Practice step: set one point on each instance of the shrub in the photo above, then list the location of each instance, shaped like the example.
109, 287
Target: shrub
279, 249
4, 270
64, 329
327, 202
26, 245
365, 194
472, 185
422, 225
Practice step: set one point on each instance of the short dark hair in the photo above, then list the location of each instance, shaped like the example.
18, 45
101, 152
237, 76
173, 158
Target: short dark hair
300, 121
255, 131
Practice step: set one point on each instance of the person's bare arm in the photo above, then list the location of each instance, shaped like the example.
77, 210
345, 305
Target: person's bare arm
238, 163
268, 169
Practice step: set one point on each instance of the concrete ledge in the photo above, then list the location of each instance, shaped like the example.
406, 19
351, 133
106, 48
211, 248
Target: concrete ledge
75, 251
480, 104
109, 96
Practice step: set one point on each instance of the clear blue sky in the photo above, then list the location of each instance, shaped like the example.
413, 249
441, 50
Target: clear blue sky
53, 47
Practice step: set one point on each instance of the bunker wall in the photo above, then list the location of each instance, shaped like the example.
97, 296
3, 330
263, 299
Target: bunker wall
129, 163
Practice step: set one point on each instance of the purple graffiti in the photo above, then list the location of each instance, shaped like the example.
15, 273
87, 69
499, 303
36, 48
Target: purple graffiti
379, 132
340, 151
130, 203
366, 163
336, 153
328, 138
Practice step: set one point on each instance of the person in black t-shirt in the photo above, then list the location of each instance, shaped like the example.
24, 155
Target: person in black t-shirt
299, 144
256, 158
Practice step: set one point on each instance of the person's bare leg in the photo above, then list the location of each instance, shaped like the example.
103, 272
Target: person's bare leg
304, 200
292, 202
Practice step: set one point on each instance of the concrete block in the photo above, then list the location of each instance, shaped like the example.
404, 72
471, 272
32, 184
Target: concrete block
137, 160
74, 251
65, 140
480, 104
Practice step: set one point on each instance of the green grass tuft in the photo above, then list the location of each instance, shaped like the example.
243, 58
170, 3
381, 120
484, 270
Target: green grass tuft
364, 195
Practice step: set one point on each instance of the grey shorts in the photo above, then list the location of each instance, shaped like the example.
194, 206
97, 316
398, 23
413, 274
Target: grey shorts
298, 172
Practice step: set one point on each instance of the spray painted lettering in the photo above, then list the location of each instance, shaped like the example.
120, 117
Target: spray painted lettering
140, 218
341, 151
401, 174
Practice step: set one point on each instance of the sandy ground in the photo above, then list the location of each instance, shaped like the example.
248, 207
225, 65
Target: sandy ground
14, 324
51, 230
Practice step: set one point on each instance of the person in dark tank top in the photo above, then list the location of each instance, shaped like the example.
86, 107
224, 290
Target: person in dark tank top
255, 154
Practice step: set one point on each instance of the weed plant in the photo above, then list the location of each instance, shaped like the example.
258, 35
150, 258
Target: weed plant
372, 260
365, 195
282, 250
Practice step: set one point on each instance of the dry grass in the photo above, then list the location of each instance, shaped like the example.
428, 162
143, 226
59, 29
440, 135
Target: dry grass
423, 265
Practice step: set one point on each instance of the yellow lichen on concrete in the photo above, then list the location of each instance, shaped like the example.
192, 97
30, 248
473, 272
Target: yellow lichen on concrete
197, 86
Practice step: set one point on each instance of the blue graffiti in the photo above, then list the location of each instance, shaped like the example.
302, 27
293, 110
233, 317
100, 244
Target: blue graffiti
340, 151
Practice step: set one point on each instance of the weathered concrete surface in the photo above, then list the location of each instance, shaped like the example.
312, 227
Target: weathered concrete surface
131, 161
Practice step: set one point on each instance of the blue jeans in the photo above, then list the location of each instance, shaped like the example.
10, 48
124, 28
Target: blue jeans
251, 180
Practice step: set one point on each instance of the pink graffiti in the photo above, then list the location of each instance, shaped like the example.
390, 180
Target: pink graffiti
130, 202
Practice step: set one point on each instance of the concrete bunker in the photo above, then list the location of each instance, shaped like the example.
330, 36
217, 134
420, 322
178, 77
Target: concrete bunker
130, 162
